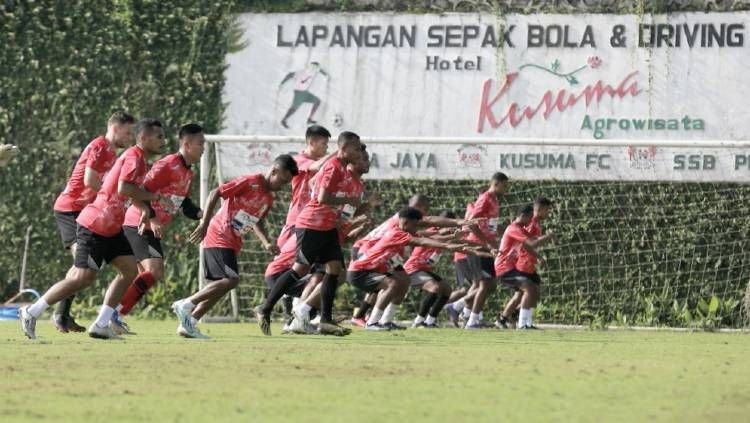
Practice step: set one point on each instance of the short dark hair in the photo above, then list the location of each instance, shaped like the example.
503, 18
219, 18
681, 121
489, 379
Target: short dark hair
410, 213
147, 124
121, 118
499, 177
317, 130
347, 137
418, 199
543, 202
526, 209
287, 162
190, 129
450, 214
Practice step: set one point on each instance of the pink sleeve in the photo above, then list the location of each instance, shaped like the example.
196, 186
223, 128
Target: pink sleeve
97, 158
131, 169
233, 187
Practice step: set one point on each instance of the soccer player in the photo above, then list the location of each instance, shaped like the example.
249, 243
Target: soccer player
309, 161
515, 238
303, 79
482, 269
85, 181
170, 177
419, 267
526, 264
373, 271
317, 236
247, 201
464, 285
100, 238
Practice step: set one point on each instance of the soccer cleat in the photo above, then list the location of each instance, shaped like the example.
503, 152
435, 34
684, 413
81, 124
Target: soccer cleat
118, 325
332, 329
264, 321
194, 334
183, 315
359, 322
377, 327
529, 327
424, 325
28, 322
475, 326
501, 323
102, 333
393, 326
452, 316
66, 324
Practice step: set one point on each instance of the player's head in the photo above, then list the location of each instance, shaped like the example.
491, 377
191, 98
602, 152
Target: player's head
317, 138
192, 142
542, 205
120, 128
282, 171
449, 214
524, 214
408, 219
350, 147
499, 183
362, 165
420, 202
150, 135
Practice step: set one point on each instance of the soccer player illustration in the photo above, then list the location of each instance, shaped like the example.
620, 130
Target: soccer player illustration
303, 79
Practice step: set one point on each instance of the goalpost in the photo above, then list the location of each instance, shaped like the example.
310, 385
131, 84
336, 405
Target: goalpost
649, 232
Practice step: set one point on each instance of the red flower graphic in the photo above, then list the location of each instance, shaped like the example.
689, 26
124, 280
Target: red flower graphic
594, 62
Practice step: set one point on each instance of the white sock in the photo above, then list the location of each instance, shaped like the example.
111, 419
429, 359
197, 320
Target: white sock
419, 320
105, 314
375, 315
187, 304
303, 309
388, 314
38, 307
458, 305
295, 301
467, 312
473, 319
429, 320
523, 317
530, 317
481, 316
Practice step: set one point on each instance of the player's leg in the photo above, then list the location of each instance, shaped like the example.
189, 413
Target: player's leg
150, 257
309, 301
510, 307
526, 316
66, 224
423, 280
360, 313
441, 290
484, 272
330, 253
457, 301
400, 289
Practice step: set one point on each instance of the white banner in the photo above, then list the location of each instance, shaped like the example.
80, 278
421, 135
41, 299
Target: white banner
531, 161
679, 76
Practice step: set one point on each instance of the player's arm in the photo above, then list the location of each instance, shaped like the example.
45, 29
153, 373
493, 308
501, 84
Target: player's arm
260, 231
432, 243
288, 76
328, 199
200, 232
531, 245
318, 164
441, 222
91, 179
190, 209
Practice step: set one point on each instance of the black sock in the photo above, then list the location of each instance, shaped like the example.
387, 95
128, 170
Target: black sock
362, 310
277, 291
427, 301
63, 307
327, 295
439, 304
313, 313
288, 305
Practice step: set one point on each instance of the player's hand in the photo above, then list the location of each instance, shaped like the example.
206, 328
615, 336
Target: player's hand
199, 233
156, 227
272, 248
142, 222
494, 251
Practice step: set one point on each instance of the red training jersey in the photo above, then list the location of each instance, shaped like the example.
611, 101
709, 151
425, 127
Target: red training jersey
506, 259
385, 254
459, 255
106, 214
527, 261
285, 259
486, 207
346, 211
99, 156
246, 202
423, 258
334, 178
301, 191
170, 177
374, 235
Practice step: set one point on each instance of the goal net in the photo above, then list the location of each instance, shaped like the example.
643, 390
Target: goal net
648, 232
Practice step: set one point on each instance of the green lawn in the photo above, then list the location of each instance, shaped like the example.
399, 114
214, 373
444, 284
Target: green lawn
443, 375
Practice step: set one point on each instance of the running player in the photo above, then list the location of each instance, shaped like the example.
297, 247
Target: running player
85, 181
526, 264
247, 201
317, 236
170, 177
100, 238
515, 238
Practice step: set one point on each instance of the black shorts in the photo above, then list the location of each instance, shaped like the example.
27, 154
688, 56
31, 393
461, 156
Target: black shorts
463, 273
67, 225
94, 250
365, 280
513, 279
318, 246
421, 277
481, 268
144, 246
220, 263
293, 291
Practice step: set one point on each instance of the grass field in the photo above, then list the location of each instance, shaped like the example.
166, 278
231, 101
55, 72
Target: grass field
418, 375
